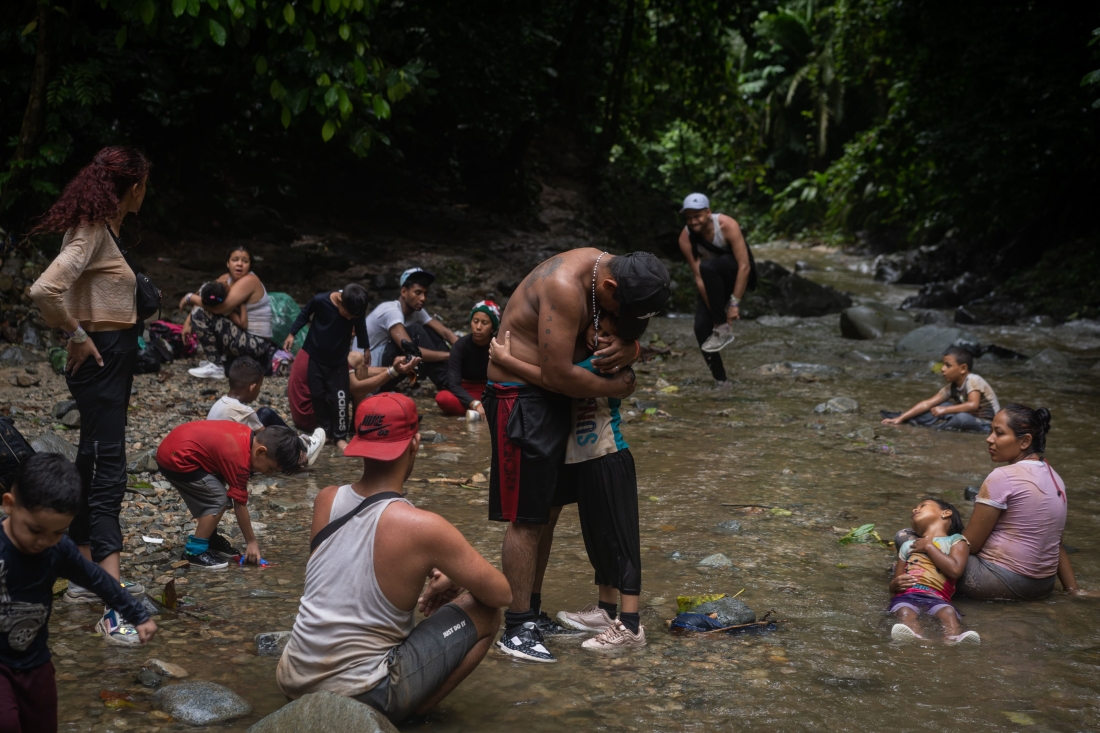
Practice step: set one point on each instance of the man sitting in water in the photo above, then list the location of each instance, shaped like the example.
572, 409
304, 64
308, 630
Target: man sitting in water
966, 403
372, 550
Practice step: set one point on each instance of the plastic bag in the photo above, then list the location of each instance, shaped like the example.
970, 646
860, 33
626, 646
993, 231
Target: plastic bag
283, 312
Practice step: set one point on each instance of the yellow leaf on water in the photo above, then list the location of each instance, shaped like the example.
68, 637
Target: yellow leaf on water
59, 586
1018, 718
686, 603
669, 389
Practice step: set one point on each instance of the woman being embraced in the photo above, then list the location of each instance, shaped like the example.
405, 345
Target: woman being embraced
89, 290
239, 325
468, 365
1015, 532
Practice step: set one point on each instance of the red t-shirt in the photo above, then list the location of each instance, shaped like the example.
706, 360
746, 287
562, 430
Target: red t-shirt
297, 393
219, 447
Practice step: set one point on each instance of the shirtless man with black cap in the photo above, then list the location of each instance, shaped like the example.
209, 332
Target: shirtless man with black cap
530, 423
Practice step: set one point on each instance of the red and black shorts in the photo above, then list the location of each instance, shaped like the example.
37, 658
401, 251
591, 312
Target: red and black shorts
529, 428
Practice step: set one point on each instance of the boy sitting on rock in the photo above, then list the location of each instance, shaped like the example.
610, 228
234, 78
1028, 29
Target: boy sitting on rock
34, 553
966, 403
246, 379
209, 463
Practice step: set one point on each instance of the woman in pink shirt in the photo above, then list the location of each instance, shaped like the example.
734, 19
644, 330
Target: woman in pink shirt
1015, 532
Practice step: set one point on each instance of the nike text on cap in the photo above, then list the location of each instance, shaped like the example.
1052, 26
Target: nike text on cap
385, 424
643, 290
422, 276
695, 201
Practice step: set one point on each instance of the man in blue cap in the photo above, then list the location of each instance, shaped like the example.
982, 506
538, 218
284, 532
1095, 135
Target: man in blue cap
723, 268
405, 319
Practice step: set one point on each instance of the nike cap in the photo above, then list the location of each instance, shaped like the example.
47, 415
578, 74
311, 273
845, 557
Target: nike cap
643, 290
695, 201
422, 276
385, 424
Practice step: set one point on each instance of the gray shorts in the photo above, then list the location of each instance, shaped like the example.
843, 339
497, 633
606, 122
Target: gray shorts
421, 664
202, 492
986, 581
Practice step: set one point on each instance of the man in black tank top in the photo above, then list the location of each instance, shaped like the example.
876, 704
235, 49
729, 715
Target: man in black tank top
722, 265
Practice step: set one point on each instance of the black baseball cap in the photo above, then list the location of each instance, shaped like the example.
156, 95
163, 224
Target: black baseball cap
643, 290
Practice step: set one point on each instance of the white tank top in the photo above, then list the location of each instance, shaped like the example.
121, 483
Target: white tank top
718, 245
259, 315
346, 626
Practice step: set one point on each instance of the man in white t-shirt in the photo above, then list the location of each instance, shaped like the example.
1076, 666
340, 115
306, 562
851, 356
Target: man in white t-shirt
405, 319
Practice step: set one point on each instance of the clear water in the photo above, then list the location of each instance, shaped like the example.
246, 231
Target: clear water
831, 666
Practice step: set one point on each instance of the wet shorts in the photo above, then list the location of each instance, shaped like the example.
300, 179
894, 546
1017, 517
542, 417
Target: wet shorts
920, 603
987, 581
529, 428
202, 492
422, 663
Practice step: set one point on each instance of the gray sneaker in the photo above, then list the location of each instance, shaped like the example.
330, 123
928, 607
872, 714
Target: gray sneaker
720, 339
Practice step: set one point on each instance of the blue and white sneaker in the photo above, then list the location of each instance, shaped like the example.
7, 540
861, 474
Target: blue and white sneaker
79, 594
116, 631
525, 642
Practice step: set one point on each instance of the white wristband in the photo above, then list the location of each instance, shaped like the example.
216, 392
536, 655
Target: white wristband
392, 372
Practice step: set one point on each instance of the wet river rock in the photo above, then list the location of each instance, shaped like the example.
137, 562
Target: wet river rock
838, 406
934, 340
201, 702
324, 711
782, 292
872, 320
271, 643
731, 611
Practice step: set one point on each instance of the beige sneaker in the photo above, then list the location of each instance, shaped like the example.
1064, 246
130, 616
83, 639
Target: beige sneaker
589, 618
616, 637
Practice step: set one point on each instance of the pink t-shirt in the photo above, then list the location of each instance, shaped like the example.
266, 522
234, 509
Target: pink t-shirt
1028, 534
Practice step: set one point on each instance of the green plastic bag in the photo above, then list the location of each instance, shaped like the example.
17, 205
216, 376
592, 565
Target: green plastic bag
283, 312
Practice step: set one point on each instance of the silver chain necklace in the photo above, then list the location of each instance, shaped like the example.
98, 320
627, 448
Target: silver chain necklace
595, 311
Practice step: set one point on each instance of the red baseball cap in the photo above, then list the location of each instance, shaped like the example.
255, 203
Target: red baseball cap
385, 424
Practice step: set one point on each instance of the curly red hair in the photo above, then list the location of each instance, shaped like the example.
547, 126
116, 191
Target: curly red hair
94, 194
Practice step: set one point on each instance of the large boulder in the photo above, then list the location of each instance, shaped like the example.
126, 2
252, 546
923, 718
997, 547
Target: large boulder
201, 703
17, 355
871, 320
934, 340
731, 611
52, 443
1050, 359
921, 265
952, 293
324, 712
781, 292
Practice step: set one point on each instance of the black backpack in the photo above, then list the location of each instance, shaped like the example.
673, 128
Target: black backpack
14, 449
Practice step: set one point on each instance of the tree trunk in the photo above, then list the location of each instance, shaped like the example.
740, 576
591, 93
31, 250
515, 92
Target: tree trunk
34, 118
615, 85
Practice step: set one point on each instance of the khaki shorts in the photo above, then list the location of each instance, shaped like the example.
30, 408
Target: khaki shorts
202, 492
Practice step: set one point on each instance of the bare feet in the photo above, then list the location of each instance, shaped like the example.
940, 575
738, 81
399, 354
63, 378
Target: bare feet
341, 444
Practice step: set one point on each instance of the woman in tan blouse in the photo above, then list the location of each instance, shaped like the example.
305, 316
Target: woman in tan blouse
89, 291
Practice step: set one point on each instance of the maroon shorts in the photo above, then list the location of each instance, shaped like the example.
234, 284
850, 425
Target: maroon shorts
529, 427
28, 699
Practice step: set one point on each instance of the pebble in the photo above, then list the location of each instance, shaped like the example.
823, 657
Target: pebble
63, 407
730, 526
166, 669
838, 406
149, 678
201, 702
717, 560
71, 419
271, 643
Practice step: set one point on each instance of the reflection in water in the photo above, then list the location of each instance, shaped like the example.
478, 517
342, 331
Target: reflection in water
831, 667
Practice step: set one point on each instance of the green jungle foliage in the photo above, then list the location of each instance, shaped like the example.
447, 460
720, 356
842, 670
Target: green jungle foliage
903, 120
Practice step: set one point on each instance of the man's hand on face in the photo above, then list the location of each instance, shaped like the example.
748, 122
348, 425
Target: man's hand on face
615, 354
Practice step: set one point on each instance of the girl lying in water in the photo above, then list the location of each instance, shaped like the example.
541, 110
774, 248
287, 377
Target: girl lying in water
927, 568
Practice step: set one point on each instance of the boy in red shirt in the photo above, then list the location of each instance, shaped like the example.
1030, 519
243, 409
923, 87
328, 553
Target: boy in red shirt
209, 463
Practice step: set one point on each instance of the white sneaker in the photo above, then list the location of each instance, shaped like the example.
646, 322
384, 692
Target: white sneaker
615, 637
590, 618
314, 444
207, 370
966, 637
720, 339
901, 632
79, 594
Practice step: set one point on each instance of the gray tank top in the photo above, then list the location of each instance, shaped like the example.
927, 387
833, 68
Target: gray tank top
346, 626
259, 315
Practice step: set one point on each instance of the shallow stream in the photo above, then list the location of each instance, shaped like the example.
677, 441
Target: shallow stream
831, 664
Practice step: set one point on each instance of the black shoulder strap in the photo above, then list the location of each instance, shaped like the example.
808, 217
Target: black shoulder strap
328, 530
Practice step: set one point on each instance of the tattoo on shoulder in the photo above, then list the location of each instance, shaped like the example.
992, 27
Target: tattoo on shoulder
543, 271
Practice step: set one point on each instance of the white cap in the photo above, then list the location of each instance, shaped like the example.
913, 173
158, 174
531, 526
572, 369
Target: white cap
696, 201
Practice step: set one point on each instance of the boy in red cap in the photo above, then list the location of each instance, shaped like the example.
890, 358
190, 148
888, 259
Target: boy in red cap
354, 634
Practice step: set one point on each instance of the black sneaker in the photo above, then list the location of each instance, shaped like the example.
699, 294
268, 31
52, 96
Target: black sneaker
549, 627
525, 642
219, 545
205, 561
